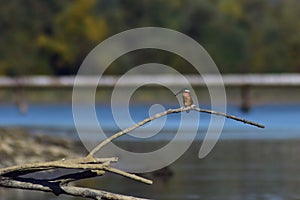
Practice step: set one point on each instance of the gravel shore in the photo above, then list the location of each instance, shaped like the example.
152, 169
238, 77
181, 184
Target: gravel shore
18, 146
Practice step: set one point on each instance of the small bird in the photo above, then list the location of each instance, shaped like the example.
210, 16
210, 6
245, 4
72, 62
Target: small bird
187, 99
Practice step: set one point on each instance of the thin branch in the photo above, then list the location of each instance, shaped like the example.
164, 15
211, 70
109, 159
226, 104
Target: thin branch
29, 168
96, 194
128, 175
228, 116
65, 179
127, 130
170, 111
56, 188
34, 167
78, 163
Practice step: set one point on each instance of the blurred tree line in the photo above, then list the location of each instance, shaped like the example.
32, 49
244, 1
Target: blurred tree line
242, 36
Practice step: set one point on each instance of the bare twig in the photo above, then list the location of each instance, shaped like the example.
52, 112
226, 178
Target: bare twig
170, 111
127, 130
34, 167
10, 177
228, 116
57, 188
128, 175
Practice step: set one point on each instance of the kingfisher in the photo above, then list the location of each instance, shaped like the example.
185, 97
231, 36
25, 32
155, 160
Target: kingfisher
187, 99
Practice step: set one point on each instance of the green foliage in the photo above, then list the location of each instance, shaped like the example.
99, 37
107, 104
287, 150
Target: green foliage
53, 37
75, 31
20, 23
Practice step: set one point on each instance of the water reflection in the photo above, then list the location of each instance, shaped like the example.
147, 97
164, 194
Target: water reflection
235, 169
240, 169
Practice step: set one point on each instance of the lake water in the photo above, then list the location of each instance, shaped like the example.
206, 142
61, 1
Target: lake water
247, 162
58, 118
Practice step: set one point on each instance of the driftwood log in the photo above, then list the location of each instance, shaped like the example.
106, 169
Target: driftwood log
88, 167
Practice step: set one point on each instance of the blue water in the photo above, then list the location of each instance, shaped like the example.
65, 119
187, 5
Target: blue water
281, 121
247, 163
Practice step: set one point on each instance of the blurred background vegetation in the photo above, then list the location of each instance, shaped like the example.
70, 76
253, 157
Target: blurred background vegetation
242, 36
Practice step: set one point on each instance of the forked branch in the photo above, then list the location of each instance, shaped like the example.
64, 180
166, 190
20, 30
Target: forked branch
12, 177
87, 167
170, 111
